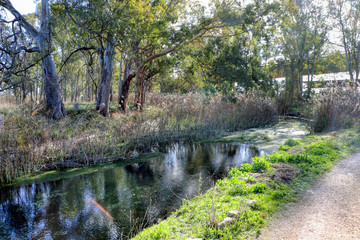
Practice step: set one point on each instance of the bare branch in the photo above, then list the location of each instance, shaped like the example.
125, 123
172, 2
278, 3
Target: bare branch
19, 17
75, 51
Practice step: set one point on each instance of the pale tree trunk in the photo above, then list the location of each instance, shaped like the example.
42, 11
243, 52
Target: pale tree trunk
357, 65
51, 84
106, 62
52, 89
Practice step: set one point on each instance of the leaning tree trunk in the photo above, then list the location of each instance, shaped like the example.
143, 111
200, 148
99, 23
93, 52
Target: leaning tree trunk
106, 62
125, 86
140, 83
124, 97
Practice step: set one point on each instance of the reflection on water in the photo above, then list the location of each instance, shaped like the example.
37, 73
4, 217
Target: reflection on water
135, 196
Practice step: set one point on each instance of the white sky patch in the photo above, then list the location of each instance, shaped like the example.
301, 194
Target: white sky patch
24, 6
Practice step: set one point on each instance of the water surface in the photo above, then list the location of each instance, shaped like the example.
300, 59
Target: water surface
114, 203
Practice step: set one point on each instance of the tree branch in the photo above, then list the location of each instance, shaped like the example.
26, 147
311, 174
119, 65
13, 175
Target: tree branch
75, 51
32, 31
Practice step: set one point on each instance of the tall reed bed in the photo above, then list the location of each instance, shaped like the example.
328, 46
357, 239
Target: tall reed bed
336, 108
84, 138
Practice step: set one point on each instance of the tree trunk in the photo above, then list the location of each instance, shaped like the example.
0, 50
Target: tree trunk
52, 90
346, 48
143, 95
23, 88
51, 84
120, 74
139, 89
357, 65
106, 62
125, 86
31, 93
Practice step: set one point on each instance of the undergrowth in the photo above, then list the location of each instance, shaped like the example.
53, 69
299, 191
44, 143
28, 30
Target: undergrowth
30, 144
255, 190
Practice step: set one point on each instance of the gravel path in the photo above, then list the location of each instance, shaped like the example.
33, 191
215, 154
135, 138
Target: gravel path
330, 210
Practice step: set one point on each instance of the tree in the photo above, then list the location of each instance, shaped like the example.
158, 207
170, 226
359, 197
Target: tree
230, 60
301, 41
100, 22
43, 39
347, 16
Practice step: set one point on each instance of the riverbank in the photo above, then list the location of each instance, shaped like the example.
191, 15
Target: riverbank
135, 194
30, 143
267, 139
239, 206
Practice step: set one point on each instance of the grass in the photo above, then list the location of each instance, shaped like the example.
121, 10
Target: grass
31, 144
256, 190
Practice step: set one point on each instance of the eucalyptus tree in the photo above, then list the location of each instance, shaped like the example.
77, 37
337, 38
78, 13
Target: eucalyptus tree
43, 39
172, 32
231, 59
302, 34
317, 37
101, 22
346, 14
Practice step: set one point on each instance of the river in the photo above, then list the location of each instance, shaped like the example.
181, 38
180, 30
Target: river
119, 201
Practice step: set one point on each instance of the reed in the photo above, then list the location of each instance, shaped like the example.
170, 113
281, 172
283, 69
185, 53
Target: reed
336, 108
33, 143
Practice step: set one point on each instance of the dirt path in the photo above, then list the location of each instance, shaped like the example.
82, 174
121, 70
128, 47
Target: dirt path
330, 210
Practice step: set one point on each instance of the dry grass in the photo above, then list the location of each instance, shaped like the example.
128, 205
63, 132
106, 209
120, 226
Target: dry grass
84, 138
7, 101
336, 108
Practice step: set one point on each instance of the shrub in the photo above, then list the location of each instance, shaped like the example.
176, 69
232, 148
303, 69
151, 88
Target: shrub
246, 167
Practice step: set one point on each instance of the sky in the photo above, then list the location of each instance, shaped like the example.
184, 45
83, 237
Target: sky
24, 6
28, 6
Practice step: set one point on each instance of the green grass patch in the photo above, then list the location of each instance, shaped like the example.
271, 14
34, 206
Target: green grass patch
254, 191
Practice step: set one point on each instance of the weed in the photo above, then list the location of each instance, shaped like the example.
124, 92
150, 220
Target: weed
260, 165
292, 142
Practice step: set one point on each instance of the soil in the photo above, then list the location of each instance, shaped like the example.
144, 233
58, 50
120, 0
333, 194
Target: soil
284, 172
330, 210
